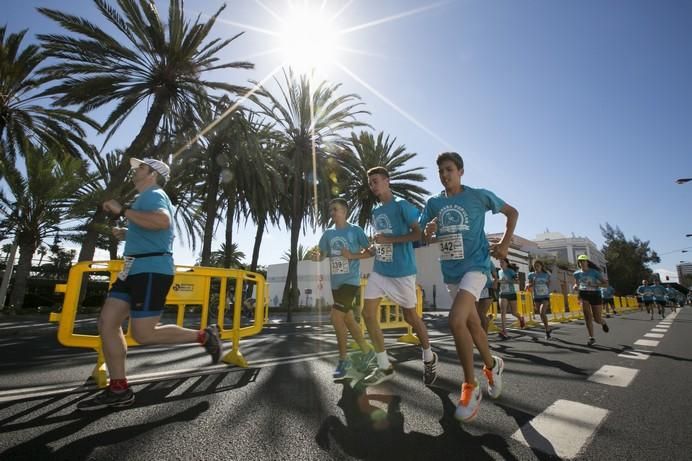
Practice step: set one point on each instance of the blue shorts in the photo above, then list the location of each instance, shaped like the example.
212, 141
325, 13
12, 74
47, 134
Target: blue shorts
145, 292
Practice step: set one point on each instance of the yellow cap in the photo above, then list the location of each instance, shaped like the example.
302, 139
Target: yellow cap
582, 258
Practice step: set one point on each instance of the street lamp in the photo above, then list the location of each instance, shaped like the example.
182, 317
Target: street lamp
683, 180
688, 235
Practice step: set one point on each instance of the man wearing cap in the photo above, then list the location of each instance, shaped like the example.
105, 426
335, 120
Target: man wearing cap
140, 290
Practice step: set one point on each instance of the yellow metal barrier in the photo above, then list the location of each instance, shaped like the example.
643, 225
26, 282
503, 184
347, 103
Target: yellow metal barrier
575, 312
192, 286
391, 314
493, 311
525, 308
617, 303
632, 302
557, 307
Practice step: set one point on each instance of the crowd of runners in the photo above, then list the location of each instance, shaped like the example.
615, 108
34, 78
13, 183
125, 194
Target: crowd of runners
454, 220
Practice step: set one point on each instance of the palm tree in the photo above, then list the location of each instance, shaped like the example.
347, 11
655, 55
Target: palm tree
302, 253
151, 63
368, 152
38, 203
218, 257
310, 117
24, 121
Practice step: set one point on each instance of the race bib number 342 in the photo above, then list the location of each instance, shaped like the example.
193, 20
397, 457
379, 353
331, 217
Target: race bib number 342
451, 247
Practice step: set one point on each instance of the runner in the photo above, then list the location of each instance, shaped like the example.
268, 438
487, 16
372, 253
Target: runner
394, 275
140, 290
589, 279
646, 293
455, 219
539, 285
343, 244
608, 294
659, 298
508, 296
486, 298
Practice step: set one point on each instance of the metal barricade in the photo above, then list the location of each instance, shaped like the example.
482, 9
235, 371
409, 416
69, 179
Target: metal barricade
391, 314
193, 287
557, 307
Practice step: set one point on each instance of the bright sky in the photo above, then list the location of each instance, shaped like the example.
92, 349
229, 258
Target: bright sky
576, 113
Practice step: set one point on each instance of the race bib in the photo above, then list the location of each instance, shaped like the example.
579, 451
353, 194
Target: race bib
339, 265
127, 265
451, 247
541, 290
384, 252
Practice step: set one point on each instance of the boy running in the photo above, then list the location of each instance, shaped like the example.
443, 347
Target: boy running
343, 244
394, 275
455, 220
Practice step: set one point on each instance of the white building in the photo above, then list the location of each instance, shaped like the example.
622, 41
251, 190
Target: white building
567, 249
683, 270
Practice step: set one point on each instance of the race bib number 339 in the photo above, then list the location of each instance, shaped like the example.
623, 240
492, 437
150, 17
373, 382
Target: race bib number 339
339, 265
451, 247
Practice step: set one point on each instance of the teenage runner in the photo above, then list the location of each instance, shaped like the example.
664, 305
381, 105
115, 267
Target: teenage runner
455, 220
589, 279
343, 244
646, 292
394, 275
508, 296
539, 285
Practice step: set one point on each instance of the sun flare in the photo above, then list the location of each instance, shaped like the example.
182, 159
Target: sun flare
308, 39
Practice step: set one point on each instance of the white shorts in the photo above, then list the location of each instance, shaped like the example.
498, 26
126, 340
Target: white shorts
401, 290
473, 282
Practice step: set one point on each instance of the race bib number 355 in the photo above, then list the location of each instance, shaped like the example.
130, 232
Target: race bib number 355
384, 252
451, 247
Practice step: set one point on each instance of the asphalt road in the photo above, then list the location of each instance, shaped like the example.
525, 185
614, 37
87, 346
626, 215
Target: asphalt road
558, 402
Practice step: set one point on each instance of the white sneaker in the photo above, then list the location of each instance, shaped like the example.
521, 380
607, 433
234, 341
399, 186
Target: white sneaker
494, 377
469, 403
378, 376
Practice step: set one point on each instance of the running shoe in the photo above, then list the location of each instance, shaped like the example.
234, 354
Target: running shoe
213, 343
494, 377
522, 322
108, 399
591, 341
430, 371
549, 335
606, 328
503, 335
378, 376
365, 362
469, 403
341, 369
607, 316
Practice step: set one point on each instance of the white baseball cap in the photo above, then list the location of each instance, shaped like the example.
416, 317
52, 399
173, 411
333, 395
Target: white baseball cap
157, 165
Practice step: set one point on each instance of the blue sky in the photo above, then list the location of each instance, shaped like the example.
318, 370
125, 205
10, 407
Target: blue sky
576, 113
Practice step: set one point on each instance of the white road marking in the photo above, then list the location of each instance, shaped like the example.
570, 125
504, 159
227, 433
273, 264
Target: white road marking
654, 335
562, 429
646, 342
659, 330
614, 376
639, 354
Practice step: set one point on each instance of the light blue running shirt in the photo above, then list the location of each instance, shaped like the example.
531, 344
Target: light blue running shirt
646, 292
461, 230
659, 292
140, 240
343, 271
394, 219
607, 292
589, 279
541, 284
507, 277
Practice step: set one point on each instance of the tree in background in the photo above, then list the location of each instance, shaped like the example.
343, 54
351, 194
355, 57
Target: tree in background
627, 259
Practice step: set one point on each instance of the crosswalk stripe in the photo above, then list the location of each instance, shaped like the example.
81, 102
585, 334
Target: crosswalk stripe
563, 429
612, 375
638, 354
646, 342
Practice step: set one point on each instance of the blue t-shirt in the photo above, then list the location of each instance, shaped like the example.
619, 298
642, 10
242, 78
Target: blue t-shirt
343, 271
589, 279
646, 292
607, 292
139, 240
395, 219
659, 292
507, 277
461, 230
541, 284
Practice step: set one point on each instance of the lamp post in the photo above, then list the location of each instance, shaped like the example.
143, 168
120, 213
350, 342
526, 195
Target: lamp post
683, 180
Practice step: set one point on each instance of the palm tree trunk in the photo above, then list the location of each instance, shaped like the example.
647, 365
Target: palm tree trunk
137, 147
290, 294
258, 243
26, 251
211, 206
230, 211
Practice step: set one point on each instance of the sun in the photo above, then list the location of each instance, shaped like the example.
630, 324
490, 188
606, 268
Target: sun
308, 39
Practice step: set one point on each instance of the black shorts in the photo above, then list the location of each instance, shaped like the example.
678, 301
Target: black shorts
540, 300
648, 303
345, 298
508, 296
146, 293
592, 297
609, 301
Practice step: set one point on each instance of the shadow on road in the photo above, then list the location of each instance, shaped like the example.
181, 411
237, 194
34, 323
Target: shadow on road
374, 429
155, 393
